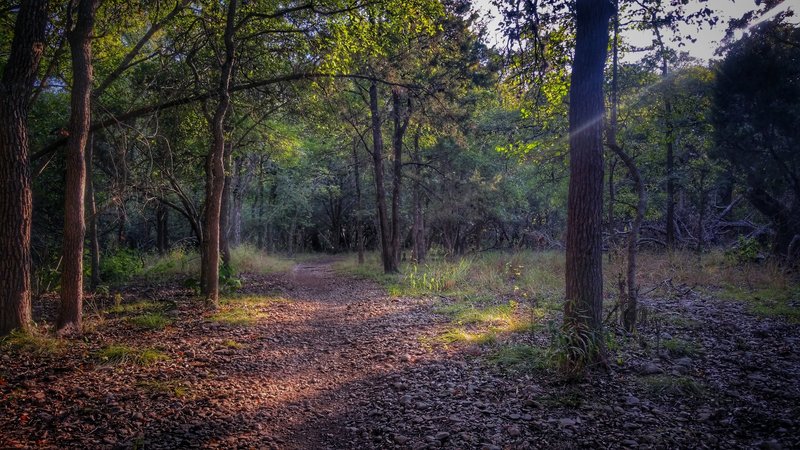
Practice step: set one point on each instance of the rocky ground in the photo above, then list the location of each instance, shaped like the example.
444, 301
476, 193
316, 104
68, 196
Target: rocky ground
336, 363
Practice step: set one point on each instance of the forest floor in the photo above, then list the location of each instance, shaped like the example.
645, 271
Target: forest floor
315, 359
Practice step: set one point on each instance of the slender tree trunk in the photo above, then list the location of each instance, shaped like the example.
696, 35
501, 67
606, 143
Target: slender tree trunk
80, 41
359, 206
670, 142
401, 119
418, 233
162, 229
215, 168
584, 260
91, 206
16, 206
225, 209
389, 265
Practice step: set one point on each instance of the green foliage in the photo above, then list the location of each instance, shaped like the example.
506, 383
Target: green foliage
746, 250
121, 266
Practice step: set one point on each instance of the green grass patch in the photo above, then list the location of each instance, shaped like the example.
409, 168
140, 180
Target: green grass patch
173, 388
679, 347
230, 343
123, 354
521, 358
658, 385
771, 301
151, 321
32, 342
458, 334
135, 307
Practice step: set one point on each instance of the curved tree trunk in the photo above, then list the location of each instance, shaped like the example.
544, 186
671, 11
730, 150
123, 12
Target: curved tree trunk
80, 41
584, 264
215, 169
16, 207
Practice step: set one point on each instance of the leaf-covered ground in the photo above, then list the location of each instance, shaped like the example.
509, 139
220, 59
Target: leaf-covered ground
313, 359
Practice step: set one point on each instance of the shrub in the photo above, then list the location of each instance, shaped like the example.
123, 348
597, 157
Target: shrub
121, 266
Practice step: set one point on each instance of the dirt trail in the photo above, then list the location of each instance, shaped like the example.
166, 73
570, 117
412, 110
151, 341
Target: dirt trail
336, 363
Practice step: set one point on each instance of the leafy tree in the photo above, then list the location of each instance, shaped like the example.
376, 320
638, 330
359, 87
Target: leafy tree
756, 116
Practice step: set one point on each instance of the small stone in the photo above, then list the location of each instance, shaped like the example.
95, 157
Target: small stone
400, 439
650, 369
771, 444
630, 443
566, 422
514, 431
631, 401
442, 435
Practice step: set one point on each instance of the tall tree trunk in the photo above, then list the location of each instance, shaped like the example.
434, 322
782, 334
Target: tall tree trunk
401, 116
91, 206
359, 206
584, 259
215, 168
670, 141
225, 209
418, 231
389, 265
630, 299
16, 206
80, 41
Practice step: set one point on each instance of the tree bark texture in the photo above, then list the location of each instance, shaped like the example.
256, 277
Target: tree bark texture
584, 276
80, 41
16, 206
215, 168
389, 265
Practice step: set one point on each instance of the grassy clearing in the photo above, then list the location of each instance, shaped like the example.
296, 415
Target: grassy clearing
32, 342
123, 354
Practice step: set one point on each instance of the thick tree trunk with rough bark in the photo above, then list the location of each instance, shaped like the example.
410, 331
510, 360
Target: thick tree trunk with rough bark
80, 41
16, 207
584, 264
389, 265
215, 168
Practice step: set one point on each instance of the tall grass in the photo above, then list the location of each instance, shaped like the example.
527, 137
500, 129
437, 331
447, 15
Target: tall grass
186, 262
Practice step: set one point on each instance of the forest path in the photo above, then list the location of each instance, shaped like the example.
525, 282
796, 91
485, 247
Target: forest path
333, 362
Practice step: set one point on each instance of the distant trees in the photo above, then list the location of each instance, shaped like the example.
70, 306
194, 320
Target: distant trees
16, 208
756, 115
